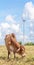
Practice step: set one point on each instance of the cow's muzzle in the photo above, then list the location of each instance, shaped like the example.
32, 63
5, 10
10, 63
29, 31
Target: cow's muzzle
24, 54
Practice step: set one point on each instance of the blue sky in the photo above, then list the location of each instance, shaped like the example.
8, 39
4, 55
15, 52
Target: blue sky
12, 13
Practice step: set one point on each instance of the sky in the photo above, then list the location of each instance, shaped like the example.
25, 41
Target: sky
12, 15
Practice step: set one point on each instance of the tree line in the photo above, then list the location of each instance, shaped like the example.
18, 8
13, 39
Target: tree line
28, 43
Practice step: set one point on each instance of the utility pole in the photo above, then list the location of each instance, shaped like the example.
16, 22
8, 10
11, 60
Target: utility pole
23, 29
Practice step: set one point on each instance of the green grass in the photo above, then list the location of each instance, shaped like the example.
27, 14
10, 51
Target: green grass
27, 60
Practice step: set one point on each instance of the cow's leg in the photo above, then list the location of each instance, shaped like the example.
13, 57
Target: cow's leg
14, 54
8, 54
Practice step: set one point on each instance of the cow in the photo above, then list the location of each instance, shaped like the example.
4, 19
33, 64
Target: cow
13, 46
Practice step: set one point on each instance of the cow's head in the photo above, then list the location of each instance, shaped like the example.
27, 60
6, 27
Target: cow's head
22, 51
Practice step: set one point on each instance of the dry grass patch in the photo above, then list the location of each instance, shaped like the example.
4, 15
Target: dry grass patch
27, 60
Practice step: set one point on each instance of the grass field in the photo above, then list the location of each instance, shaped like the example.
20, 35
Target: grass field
27, 60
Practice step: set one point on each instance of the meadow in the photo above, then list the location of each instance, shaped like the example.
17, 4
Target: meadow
27, 60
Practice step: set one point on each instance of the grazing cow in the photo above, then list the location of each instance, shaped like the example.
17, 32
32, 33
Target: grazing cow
13, 45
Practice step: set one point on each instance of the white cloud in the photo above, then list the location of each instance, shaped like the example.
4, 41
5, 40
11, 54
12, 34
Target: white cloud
31, 32
13, 24
5, 25
28, 15
20, 37
25, 37
29, 11
8, 31
8, 28
16, 27
31, 24
0, 28
0, 35
10, 18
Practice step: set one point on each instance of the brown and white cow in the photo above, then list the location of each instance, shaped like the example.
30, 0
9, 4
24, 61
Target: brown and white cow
13, 45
